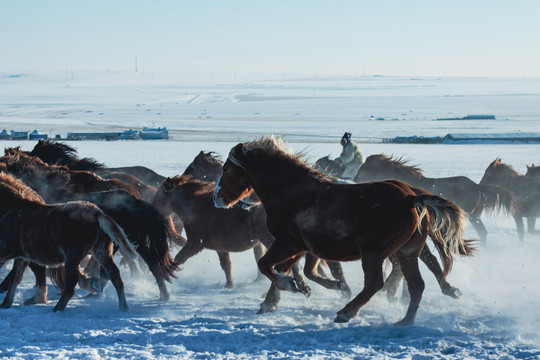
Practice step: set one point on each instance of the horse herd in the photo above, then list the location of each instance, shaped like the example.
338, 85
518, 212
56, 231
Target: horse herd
60, 213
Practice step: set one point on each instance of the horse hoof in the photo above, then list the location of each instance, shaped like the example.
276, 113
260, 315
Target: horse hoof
404, 322
123, 308
164, 297
266, 308
453, 292
306, 291
346, 293
229, 286
341, 318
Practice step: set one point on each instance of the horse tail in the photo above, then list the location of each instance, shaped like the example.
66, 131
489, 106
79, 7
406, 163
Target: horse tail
110, 229
497, 198
155, 251
57, 276
446, 226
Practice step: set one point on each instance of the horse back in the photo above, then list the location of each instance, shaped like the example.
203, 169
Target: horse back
344, 221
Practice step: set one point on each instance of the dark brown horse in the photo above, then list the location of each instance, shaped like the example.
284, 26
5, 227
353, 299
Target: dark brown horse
54, 182
57, 153
145, 227
471, 197
533, 171
54, 235
207, 166
341, 222
525, 188
232, 230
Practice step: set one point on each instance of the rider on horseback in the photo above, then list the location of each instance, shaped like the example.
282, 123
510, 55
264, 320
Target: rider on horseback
351, 158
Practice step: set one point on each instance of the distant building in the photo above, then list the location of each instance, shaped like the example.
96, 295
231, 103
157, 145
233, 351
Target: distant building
34, 135
19, 135
470, 117
154, 134
4, 135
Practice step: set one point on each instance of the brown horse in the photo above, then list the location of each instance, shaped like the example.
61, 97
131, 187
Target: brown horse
533, 171
207, 166
308, 213
525, 188
55, 182
52, 235
471, 197
232, 230
57, 153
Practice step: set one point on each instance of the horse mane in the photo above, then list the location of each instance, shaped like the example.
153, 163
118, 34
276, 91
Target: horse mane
55, 152
274, 146
197, 186
210, 157
397, 163
498, 163
15, 188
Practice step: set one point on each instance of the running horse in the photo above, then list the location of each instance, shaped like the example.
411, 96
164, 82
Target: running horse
308, 213
57, 153
54, 235
473, 198
207, 166
525, 188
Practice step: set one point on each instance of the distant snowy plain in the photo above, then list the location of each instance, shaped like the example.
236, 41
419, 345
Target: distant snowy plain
498, 316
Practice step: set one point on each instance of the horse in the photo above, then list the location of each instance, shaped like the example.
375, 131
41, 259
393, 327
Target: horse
473, 198
331, 168
308, 213
55, 182
207, 166
144, 226
233, 230
328, 166
52, 235
57, 153
533, 171
525, 188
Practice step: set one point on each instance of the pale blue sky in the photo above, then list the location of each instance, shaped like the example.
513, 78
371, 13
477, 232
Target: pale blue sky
388, 37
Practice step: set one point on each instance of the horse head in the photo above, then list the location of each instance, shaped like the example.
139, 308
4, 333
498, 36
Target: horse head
498, 173
162, 197
205, 166
233, 184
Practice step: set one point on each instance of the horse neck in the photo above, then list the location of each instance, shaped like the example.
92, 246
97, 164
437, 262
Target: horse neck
391, 172
270, 184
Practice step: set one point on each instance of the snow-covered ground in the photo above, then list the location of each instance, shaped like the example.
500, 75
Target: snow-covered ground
498, 316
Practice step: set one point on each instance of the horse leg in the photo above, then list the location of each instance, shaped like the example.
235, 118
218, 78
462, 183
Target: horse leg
478, 225
310, 267
225, 262
107, 262
531, 221
163, 292
391, 284
94, 278
409, 266
278, 254
273, 296
8, 280
520, 228
191, 248
433, 265
373, 282
72, 270
40, 296
19, 265
175, 228
337, 273
258, 251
